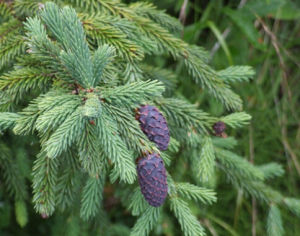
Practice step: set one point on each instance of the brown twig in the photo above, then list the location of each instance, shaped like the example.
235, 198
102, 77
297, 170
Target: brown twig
182, 15
209, 226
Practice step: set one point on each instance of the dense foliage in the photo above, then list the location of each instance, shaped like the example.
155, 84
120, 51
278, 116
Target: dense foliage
71, 80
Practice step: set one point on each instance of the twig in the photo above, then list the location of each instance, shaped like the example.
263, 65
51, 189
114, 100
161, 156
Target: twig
217, 44
182, 15
211, 229
242, 3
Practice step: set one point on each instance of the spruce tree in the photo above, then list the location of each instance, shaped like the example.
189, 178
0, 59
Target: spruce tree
72, 76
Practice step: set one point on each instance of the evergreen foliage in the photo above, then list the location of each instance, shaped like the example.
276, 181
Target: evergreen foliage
274, 223
72, 74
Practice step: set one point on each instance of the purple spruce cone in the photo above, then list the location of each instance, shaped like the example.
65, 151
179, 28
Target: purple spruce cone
153, 179
219, 127
154, 125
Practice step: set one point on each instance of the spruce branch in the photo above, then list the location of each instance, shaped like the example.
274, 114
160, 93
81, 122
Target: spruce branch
174, 146
271, 170
9, 28
91, 155
157, 34
92, 196
199, 52
46, 102
105, 6
132, 72
26, 7
274, 222
68, 30
185, 115
237, 119
164, 41
234, 74
206, 162
38, 40
5, 11
19, 82
10, 50
138, 204
176, 47
52, 118
14, 182
44, 183
102, 57
238, 166
189, 224
115, 149
167, 77
66, 184
43, 49
133, 93
293, 204
65, 135
53, 98
209, 80
248, 178
225, 143
68, 181
8, 120
263, 192
161, 37
193, 192
146, 222
117, 32
26, 122
148, 10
